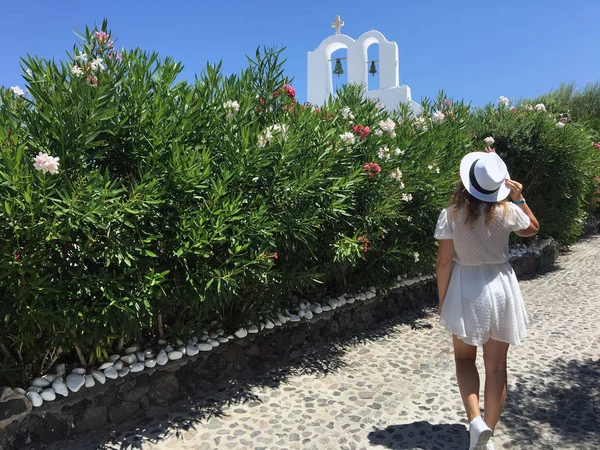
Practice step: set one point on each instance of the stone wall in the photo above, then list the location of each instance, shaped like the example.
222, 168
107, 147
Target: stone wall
241, 359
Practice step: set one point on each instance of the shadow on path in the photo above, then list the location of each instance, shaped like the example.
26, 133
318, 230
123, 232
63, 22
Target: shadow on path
422, 435
200, 409
564, 398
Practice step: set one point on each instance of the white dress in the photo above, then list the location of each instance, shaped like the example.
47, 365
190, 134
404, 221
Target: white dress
483, 298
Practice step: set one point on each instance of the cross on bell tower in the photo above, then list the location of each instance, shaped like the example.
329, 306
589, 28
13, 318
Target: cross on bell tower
337, 24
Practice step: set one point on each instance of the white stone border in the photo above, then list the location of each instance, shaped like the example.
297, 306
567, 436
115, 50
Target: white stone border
46, 387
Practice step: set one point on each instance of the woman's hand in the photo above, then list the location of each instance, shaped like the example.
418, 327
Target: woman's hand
516, 190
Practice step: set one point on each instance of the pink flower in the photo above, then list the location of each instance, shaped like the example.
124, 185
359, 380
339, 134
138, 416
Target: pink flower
596, 144
289, 90
92, 80
46, 163
361, 130
275, 255
101, 37
564, 119
17, 255
490, 150
372, 169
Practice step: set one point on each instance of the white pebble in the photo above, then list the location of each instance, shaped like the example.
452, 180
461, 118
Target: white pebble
78, 371
129, 358
326, 308
162, 358
111, 373
182, 350
61, 370
150, 363
75, 382
168, 349
137, 367
21, 391
193, 340
351, 300
277, 323
316, 309
36, 399
220, 331
294, 318
89, 381
253, 329
161, 342
99, 376
175, 354
106, 365
118, 365
60, 387
124, 372
241, 333
140, 356
372, 289
301, 313
204, 347
50, 377
40, 382
213, 335
308, 315
191, 350
35, 389
48, 395
213, 343
269, 325
223, 340
113, 358
131, 349
149, 353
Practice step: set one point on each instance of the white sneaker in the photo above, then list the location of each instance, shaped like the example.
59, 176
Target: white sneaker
480, 434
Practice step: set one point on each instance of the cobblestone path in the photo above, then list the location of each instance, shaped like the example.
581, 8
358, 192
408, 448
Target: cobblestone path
395, 387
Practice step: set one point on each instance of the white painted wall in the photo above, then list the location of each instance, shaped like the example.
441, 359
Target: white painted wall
320, 77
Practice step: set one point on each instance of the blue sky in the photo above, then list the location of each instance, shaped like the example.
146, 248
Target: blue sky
478, 50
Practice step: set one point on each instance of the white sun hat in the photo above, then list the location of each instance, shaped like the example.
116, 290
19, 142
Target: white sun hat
483, 175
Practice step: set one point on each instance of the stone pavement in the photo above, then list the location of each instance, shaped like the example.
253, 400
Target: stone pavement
394, 387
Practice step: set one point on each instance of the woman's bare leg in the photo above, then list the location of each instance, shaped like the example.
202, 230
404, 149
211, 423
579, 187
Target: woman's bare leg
467, 376
494, 357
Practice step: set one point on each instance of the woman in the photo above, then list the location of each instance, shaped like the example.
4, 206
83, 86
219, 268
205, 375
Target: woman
479, 298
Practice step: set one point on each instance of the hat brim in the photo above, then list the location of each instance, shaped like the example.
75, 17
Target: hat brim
465, 167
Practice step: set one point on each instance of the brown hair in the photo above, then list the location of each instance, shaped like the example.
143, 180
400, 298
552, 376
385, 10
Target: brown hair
463, 199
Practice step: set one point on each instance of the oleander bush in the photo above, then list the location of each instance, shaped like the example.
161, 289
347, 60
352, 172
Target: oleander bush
135, 205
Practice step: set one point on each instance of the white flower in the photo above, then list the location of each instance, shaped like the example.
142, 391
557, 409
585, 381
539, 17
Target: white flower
379, 132
437, 170
529, 108
347, 113
387, 125
560, 124
17, 91
384, 153
46, 163
347, 138
416, 255
98, 64
29, 72
420, 122
81, 57
231, 106
437, 117
76, 70
503, 100
262, 141
409, 219
489, 140
396, 174
540, 107
276, 129
399, 152
401, 185
430, 167
406, 197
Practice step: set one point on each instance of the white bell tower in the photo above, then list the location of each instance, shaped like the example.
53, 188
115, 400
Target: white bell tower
320, 76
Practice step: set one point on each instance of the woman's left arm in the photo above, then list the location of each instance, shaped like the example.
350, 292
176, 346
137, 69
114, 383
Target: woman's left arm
443, 268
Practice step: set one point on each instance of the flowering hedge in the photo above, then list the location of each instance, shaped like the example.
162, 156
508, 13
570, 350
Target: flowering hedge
135, 205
